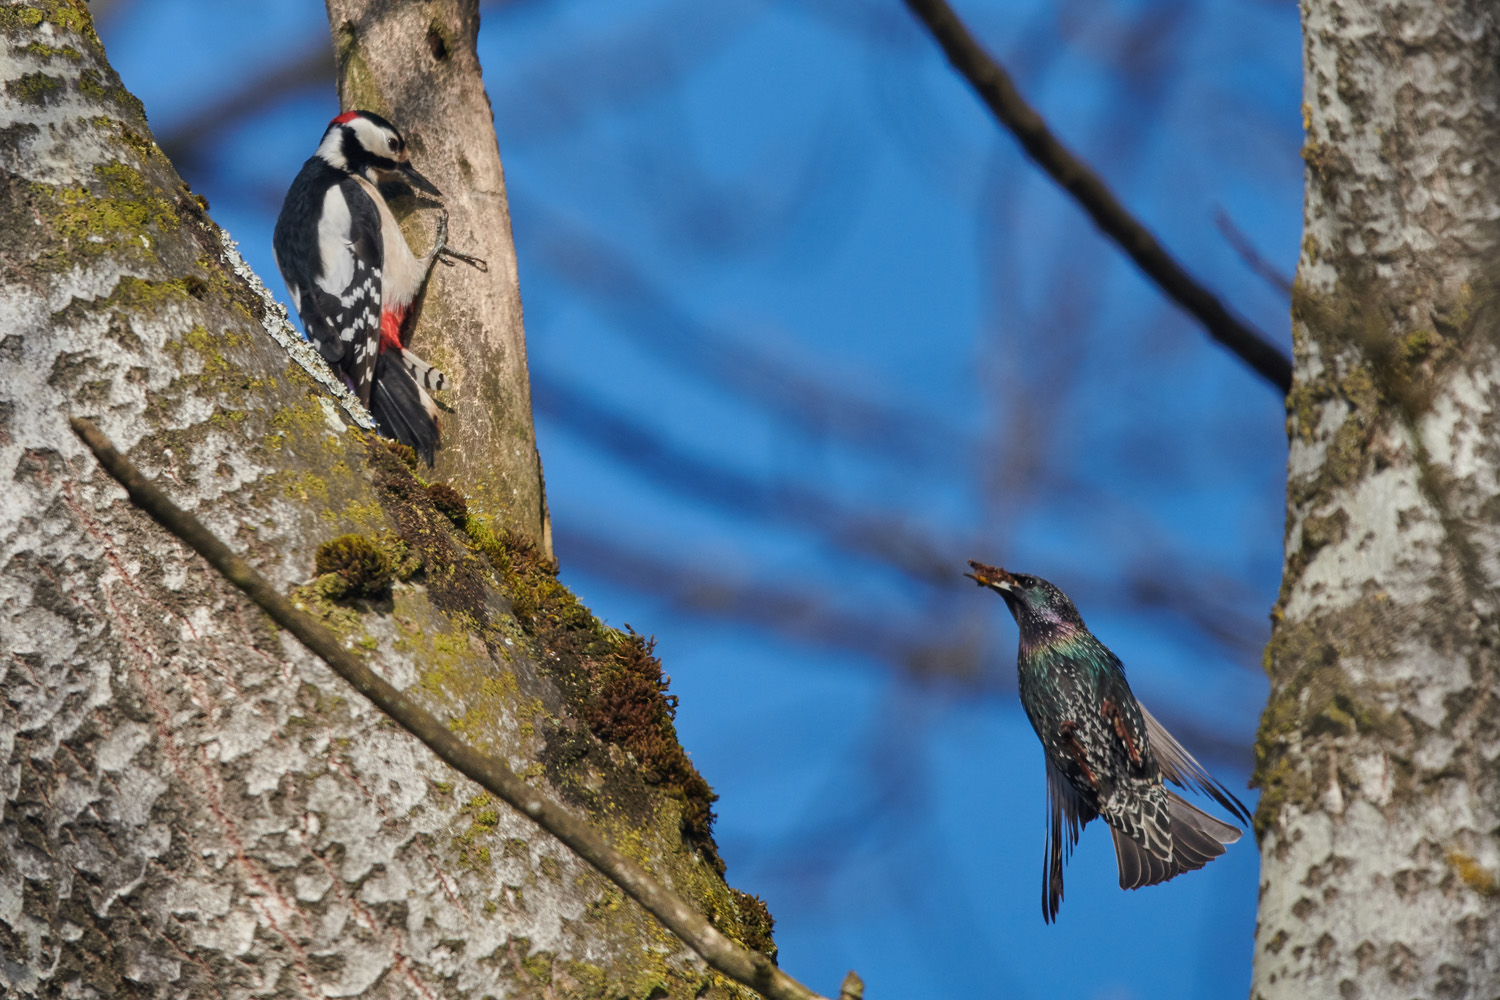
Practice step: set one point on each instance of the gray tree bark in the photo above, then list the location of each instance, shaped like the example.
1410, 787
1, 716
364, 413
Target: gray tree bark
190, 804
416, 65
1379, 752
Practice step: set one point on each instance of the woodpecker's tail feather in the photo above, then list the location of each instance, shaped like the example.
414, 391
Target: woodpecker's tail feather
428, 377
1197, 838
401, 409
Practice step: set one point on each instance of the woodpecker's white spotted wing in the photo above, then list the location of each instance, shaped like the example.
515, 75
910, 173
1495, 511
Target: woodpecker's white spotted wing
328, 247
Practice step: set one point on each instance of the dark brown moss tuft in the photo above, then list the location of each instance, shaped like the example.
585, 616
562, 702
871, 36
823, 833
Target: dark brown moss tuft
404, 452
632, 709
449, 502
361, 568
756, 923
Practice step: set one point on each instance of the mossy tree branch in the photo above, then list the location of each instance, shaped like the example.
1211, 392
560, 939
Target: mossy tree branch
734, 960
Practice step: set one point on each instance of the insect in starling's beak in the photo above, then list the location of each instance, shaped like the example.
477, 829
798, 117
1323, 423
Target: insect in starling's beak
991, 576
416, 180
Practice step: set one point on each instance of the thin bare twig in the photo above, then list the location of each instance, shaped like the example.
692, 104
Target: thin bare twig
1240, 244
995, 87
726, 956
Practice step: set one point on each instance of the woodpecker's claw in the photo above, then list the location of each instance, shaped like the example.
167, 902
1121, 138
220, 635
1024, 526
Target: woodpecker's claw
475, 262
441, 251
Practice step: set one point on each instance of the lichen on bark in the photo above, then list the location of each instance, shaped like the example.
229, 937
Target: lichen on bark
190, 804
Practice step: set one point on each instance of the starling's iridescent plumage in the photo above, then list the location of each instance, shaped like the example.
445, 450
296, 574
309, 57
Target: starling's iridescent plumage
1106, 755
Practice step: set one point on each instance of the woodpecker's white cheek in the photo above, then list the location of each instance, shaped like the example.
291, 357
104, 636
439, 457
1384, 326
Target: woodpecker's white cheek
371, 136
334, 251
331, 149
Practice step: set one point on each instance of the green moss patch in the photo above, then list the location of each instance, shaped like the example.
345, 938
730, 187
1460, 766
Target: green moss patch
69, 15
360, 567
36, 88
1312, 699
121, 216
612, 680
454, 576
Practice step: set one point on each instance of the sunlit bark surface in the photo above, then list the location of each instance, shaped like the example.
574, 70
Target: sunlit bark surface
1379, 753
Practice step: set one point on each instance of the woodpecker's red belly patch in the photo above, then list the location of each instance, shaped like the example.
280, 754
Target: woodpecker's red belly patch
390, 329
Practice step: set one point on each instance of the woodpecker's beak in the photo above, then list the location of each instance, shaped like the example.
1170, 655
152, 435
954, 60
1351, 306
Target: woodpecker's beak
417, 181
991, 576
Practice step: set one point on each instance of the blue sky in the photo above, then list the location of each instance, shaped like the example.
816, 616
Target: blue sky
786, 242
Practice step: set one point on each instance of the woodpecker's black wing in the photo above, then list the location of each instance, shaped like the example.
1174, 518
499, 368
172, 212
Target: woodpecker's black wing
401, 409
328, 247
1069, 814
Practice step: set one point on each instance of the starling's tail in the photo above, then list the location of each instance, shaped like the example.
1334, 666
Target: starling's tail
1197, 838
401, 409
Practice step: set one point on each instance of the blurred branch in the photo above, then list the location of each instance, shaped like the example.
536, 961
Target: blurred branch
884, 539
620, 70
186, 141
1240, 244
1203, 604
648, 315
727, 956
994, 87
881, 538
801, 615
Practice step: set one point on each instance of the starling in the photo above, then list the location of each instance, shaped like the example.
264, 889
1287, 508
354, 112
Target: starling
1106, 755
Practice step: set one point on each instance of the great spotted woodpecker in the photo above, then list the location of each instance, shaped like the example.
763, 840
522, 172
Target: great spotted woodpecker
352, 277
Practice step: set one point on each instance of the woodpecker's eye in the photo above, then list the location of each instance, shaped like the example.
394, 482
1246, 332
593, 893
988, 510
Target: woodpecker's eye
395, 144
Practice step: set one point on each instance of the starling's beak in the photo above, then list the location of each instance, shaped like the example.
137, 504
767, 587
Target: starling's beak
991, 576
416, 180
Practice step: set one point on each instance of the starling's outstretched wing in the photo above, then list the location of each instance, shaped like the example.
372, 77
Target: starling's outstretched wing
1179, 767
1070, 814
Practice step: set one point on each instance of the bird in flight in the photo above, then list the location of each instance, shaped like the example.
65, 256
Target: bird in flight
1106, 756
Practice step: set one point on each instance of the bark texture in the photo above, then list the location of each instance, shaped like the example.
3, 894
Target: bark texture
190, 804
1379, 752
416, 64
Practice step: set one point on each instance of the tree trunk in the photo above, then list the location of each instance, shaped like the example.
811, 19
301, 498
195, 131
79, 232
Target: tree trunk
1378, 751
416, 65
190, 804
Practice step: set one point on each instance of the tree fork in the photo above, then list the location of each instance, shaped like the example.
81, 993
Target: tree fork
416, 65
